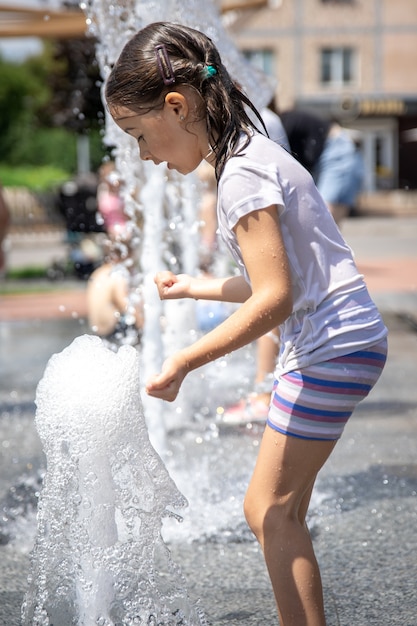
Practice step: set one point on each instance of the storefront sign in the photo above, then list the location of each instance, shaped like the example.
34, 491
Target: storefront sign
382, 107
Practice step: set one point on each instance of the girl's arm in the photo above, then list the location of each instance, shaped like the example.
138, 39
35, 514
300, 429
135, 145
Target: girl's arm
270, 303
231, 289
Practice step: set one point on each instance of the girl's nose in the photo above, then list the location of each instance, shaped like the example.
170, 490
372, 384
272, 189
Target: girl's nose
145, 155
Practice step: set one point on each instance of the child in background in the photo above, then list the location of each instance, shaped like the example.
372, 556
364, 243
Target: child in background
115, 312
208, 313
170, 91
110, 203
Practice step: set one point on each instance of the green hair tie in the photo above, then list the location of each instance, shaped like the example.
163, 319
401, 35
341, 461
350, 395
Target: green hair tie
209, 71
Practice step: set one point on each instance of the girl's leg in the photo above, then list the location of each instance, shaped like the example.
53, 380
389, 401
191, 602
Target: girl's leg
276, 504
267, 348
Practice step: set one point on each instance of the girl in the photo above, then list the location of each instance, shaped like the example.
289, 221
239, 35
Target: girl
170, 91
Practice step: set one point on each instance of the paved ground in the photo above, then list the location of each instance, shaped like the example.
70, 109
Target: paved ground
364, 510
385, 248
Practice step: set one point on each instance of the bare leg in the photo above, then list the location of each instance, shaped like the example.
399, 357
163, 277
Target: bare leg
255, 405
267, 348
276, 504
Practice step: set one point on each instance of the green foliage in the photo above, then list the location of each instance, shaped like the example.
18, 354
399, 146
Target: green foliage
27, 273
98, 151
46, 146
20, 96
75, 83
53, 146
34, 178
45, 101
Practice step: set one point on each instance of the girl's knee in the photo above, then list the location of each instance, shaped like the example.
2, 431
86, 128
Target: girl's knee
254, 517
264, 517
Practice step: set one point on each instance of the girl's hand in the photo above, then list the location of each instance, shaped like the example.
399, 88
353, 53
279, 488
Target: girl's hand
171, 286
166, 385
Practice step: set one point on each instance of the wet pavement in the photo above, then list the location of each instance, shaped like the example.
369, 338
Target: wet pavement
364, 509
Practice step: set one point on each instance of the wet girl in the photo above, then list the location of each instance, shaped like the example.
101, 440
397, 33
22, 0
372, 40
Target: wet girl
170, 91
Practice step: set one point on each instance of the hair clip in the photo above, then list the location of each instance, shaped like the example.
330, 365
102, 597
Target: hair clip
164, 64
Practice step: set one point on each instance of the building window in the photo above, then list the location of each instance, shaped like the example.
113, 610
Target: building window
261, 59
337, 66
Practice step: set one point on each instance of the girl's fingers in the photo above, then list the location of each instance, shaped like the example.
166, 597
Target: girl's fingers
163, 391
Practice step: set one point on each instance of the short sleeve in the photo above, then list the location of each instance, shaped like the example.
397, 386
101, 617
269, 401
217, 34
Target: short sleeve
246, 187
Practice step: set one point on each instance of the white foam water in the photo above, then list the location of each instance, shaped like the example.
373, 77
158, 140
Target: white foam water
99, 557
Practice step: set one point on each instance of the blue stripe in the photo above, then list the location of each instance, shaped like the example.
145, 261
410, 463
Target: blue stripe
304, 409
378, 356
330, 383
311, 437
364, 354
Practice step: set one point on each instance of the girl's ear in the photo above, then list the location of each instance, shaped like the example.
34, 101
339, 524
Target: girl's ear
177, 102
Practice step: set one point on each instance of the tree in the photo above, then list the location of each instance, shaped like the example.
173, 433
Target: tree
21, 95
49, 100
74, 81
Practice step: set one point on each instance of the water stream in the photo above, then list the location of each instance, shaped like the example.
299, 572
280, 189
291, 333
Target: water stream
99, 556
165, 202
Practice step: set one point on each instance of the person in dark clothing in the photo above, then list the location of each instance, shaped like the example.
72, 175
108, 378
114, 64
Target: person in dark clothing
328, 152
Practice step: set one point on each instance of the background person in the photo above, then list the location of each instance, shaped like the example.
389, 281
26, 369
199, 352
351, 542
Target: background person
115, 312
329, 153
110, 203
209, 314
274, 125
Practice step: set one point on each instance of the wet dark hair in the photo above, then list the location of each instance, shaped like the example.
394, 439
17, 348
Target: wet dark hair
144, 74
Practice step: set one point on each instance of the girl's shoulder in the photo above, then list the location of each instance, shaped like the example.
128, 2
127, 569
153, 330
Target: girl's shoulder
263, 150
251, 179
260, 154
258, 141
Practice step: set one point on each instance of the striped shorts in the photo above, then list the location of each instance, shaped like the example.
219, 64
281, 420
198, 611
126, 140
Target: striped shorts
316, 402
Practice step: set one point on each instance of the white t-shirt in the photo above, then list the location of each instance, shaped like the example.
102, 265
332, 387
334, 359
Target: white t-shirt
333, 314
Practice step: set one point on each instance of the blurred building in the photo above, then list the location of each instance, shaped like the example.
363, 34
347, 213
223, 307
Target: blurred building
353, 60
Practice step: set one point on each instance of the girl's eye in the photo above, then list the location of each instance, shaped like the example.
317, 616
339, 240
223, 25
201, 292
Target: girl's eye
140, 138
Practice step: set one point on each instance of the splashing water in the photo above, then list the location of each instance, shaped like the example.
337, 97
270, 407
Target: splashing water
164, 201
99, 558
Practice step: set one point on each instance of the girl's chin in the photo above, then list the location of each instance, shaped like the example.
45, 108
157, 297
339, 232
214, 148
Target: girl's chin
184, 170
177, 169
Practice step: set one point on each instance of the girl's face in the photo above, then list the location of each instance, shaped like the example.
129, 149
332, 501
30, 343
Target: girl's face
167, 134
